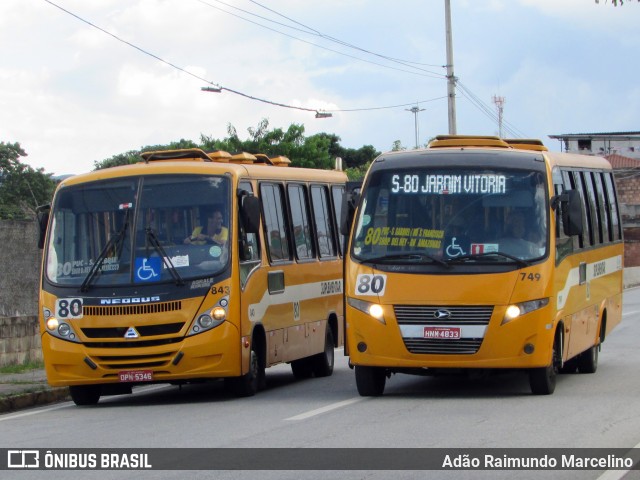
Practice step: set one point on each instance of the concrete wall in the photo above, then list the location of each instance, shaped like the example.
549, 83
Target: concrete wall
19, 267
19, 340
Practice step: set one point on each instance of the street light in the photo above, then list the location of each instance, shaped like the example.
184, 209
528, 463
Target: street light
415, 111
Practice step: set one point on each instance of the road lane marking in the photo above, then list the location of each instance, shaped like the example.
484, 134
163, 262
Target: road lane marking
616, 474
13, 416
328, 408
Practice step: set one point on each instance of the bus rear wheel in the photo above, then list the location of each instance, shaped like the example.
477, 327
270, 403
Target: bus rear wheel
370, 381
323, 362
588, 360
85, 394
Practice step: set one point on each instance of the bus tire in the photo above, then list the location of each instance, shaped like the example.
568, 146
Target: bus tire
85, 394
323, 362
302, 368
247, 384
370, 381
543, 380
588, 360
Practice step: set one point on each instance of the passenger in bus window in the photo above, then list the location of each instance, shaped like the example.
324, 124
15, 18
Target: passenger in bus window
515, 239
215, 234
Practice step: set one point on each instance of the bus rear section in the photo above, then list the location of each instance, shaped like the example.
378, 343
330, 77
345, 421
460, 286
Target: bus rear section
473, 255
145, 272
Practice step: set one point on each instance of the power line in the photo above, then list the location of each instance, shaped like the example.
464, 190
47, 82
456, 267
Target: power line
341, 42
319, 112
425, 73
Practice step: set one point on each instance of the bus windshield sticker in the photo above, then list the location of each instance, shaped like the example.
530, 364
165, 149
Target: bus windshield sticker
82, 267
177, 261
479, 248
486, 184
454, 250
147, 269
215, 251
404, 237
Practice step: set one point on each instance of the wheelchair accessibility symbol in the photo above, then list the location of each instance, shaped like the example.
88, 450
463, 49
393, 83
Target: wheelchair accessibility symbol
454, 250
147, 269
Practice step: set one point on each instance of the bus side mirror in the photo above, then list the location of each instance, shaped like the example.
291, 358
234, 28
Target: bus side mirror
42, 213
572, 214
249, 212
349, 204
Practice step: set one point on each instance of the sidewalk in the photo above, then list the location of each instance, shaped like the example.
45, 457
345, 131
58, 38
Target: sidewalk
28, 389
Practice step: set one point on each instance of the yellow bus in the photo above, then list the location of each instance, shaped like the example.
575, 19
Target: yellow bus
482, 253
190, 266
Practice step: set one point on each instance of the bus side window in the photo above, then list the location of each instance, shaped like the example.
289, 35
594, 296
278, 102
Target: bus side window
299, 209
274, 221
322, 217
248, 244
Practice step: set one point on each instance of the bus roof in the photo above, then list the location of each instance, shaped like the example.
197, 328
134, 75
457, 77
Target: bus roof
507, 149
197, 161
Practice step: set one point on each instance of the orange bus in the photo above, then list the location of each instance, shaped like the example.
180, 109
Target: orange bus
482, 253
190, 266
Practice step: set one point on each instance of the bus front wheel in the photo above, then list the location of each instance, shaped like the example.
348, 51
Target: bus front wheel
370, 381
247, 385
85, 394
543, 380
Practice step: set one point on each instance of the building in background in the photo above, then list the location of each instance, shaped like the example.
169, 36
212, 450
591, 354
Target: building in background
622, 149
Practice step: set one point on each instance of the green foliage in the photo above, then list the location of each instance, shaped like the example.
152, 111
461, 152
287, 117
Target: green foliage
22, 188
315, 151
615, 2
397, 146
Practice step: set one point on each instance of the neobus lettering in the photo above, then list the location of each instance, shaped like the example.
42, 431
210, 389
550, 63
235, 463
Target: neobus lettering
124, 301
450, 184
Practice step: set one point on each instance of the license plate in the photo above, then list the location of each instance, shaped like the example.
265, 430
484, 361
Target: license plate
136, 375
446, 333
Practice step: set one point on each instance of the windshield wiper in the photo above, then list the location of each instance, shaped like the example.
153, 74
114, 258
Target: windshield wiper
153, 240
476, 256
116, 242
417, 257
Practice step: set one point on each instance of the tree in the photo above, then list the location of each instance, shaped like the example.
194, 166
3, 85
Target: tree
133, 156
615, 2
22, 188
316, 151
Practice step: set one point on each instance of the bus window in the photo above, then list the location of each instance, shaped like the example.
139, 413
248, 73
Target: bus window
302, 238
323, 223
274, 221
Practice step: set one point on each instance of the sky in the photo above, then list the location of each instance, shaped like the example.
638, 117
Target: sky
81, 81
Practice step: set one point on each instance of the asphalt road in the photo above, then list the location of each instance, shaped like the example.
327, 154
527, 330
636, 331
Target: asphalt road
598, 410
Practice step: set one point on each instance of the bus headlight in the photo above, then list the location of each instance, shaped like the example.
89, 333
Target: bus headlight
52, 323
211, 318
64, 329
61, 330
374, 310
518, 309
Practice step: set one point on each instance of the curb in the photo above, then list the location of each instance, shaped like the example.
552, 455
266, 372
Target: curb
32, 399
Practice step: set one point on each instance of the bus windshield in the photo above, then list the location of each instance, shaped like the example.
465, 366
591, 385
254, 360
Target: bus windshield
448, 216
139, 230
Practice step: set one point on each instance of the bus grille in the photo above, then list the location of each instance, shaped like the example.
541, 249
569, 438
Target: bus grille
432, 315
133, 344
144, 331
137, 309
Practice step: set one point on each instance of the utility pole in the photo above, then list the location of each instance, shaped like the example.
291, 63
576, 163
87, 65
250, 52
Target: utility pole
499, 101
415, 111
451, 79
